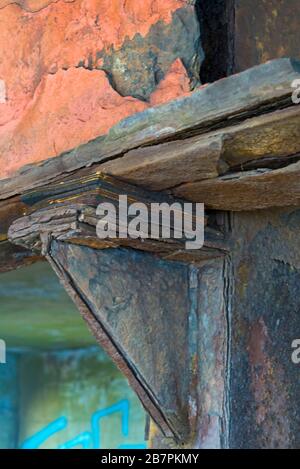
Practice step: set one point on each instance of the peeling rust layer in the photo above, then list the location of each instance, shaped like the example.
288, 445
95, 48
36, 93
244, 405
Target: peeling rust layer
67, 212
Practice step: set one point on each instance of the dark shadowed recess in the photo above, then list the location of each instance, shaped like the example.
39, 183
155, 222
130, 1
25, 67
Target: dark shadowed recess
216, 19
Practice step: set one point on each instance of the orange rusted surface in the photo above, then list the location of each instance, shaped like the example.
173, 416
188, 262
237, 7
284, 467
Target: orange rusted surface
54, 94
175, 84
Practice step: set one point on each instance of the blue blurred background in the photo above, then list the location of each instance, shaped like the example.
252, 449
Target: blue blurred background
58, 389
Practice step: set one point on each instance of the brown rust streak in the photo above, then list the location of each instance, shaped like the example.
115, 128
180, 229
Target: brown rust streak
268, 387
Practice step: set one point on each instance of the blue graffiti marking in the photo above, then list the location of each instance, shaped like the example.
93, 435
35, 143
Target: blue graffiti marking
2, 352
122, 406
86, 440
36, 440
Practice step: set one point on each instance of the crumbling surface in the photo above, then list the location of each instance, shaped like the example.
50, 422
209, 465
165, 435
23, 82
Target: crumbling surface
70, 70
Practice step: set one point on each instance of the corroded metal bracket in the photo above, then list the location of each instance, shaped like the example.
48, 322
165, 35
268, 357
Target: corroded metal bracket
141, 307
138, 307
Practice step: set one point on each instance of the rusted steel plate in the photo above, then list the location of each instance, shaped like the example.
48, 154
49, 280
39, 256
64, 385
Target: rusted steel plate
265, 30
264, 384
142, 305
